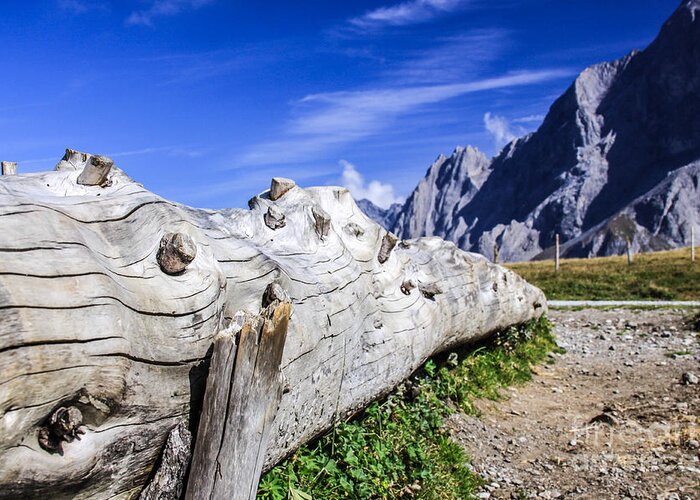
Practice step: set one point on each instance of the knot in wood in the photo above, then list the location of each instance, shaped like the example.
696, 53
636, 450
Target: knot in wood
96, 171
64, 425
388, 243
279, 187
407, 286
430, 291
274, 292
9, 168
354, 229
274, 218
322, 221
176, 252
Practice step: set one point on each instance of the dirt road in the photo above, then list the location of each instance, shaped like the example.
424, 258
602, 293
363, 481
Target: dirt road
611, 418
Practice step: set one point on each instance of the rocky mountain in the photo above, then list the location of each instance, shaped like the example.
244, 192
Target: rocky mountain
385, 217
448, 186
615, 159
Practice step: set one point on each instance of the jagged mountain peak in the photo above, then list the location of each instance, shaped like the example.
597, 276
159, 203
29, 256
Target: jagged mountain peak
620, 130
449, 183
594, 82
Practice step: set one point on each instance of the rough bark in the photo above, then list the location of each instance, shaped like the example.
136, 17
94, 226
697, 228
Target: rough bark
89, 320
169, 478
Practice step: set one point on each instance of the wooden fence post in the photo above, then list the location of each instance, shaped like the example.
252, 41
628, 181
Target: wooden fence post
556, 253
629, 252
244, 389
9, 168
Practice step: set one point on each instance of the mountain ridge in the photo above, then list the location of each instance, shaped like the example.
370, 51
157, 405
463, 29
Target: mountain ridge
621, 130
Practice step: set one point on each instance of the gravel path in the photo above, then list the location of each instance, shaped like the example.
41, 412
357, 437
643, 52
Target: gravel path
622, 303
610, 419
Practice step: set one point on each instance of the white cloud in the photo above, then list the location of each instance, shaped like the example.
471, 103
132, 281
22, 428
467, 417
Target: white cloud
500, 128
160, 8
377, 192
328, 120
405, 13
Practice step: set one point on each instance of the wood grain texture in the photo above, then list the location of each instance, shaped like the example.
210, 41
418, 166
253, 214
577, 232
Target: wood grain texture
88, 318
242, 397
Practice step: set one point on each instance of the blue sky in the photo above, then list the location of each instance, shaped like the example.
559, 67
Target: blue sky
203, 101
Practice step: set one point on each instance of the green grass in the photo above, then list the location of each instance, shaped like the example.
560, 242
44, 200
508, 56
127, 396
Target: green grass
398, 446
652, 276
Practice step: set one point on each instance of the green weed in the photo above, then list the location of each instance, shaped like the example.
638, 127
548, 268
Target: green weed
398, 447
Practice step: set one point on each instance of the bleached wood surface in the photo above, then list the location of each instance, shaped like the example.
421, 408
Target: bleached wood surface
89, 320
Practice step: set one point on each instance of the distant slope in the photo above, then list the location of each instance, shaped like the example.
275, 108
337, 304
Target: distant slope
385, 217
621, 144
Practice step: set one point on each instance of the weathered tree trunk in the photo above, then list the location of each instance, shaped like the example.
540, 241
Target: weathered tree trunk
111, 299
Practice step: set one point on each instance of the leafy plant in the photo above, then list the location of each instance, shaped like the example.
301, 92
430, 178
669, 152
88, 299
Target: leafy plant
398, 447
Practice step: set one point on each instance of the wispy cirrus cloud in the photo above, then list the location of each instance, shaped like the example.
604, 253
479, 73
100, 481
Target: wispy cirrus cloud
328, 120
194, 67
82, 6
406, 13
454, 58
529, 119
163, 8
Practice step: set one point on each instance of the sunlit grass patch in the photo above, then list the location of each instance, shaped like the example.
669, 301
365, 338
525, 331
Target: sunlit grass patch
652, 276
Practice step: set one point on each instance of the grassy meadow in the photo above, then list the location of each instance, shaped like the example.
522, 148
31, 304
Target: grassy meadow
652, 276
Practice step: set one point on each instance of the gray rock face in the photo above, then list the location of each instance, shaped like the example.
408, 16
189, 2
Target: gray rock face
615, 158
450, 184
658, 220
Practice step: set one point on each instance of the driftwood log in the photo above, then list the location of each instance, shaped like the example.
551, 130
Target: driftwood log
111, 299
